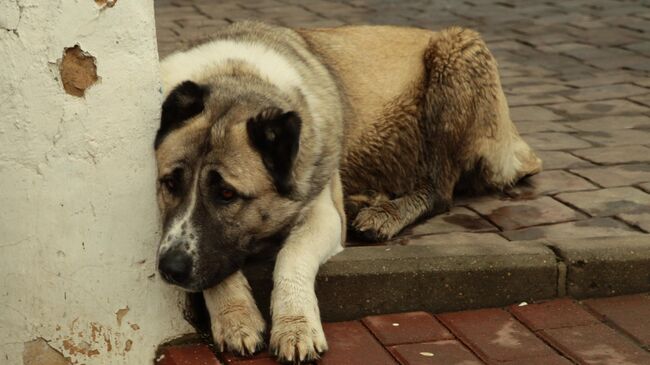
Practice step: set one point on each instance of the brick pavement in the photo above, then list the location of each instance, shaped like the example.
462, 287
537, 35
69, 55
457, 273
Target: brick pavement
576, 76
608, 331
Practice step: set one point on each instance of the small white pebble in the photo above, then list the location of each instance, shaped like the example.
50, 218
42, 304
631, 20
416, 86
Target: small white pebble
395, 324
427, 354
523, 304
388, 249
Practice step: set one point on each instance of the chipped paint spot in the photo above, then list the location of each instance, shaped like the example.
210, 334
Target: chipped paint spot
120, 314
105, 3
128, 345
39, 352
78, 70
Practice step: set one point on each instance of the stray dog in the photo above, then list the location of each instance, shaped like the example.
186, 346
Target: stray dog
270, 136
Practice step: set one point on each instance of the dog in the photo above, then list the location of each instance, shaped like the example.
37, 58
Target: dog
283, 138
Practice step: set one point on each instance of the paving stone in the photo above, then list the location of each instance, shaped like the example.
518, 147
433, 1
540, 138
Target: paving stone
643, 99
534, 127
494, 335
458, 219
616, 175
645, 187
535, 99
253, 361
604, 266
536, 89
605, 78
350, 343
630, 313
452, 238
598, 108
596, 344
561, 160
549, 183
602, 93
557, 313
615, 155
260, 358
555, 141
594, 227
434, 353
187, 355
543, 360
532, 113
413, 327
641, 220
614, 122
514, 214
608, 202
616, 137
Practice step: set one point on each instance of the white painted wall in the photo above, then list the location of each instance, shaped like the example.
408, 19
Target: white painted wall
78, 220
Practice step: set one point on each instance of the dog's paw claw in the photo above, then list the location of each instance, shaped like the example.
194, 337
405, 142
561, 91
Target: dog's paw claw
374, 224
240, 331
296, 339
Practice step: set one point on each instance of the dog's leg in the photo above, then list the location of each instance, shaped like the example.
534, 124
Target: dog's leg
297, 334
237, 324
383, 221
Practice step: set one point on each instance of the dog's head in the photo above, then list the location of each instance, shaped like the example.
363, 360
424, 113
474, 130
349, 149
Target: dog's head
226, 182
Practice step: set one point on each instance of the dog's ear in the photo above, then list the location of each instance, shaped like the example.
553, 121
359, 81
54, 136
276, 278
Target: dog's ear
275, 134
185, 101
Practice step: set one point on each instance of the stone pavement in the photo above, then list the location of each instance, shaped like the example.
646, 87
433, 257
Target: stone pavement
609, 331
576, 76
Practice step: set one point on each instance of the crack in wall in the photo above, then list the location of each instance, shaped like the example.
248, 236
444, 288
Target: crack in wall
14, 29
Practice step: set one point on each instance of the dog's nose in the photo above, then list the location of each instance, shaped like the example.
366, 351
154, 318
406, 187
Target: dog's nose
175, 266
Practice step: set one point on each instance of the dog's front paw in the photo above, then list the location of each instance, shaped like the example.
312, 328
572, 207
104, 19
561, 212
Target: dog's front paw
376, 224
238, 328
296, 339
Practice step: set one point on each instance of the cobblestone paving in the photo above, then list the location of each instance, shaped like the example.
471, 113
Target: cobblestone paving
576, 76
596, 331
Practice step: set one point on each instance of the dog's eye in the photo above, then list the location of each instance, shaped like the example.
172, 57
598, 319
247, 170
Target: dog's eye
226, 195
172, 182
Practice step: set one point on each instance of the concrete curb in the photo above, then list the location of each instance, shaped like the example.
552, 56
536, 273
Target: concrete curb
444, 277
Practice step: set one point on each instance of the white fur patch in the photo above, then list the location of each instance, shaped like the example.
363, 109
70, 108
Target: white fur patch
204, 60
296, 318
182, 227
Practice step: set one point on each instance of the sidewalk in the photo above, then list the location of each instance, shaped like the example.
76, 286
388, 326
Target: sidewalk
607, 331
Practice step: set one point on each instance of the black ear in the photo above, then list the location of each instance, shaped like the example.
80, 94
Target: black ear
276, 136
184, 102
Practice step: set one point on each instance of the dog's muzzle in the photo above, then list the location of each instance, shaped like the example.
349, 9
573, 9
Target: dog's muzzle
175, 266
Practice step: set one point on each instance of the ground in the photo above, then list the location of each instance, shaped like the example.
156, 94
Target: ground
607, 331
576, 76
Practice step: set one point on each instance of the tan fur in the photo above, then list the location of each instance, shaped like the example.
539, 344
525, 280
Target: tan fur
392, 122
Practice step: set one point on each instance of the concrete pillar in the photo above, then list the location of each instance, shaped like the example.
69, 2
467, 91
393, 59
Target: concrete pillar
79, 106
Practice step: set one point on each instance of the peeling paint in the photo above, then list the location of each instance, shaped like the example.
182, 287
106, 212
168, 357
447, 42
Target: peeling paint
39, 352
119, 315
78, 70
106, 3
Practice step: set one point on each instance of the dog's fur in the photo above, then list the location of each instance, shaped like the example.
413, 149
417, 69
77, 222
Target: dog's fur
267, 133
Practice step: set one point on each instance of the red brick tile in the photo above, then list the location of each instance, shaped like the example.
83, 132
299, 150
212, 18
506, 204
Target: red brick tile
495, 335
630, 313
544, 360
434, 353
261, 358
595, 344
255, 361
395, 329
187, 355
350, 343
554, 314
